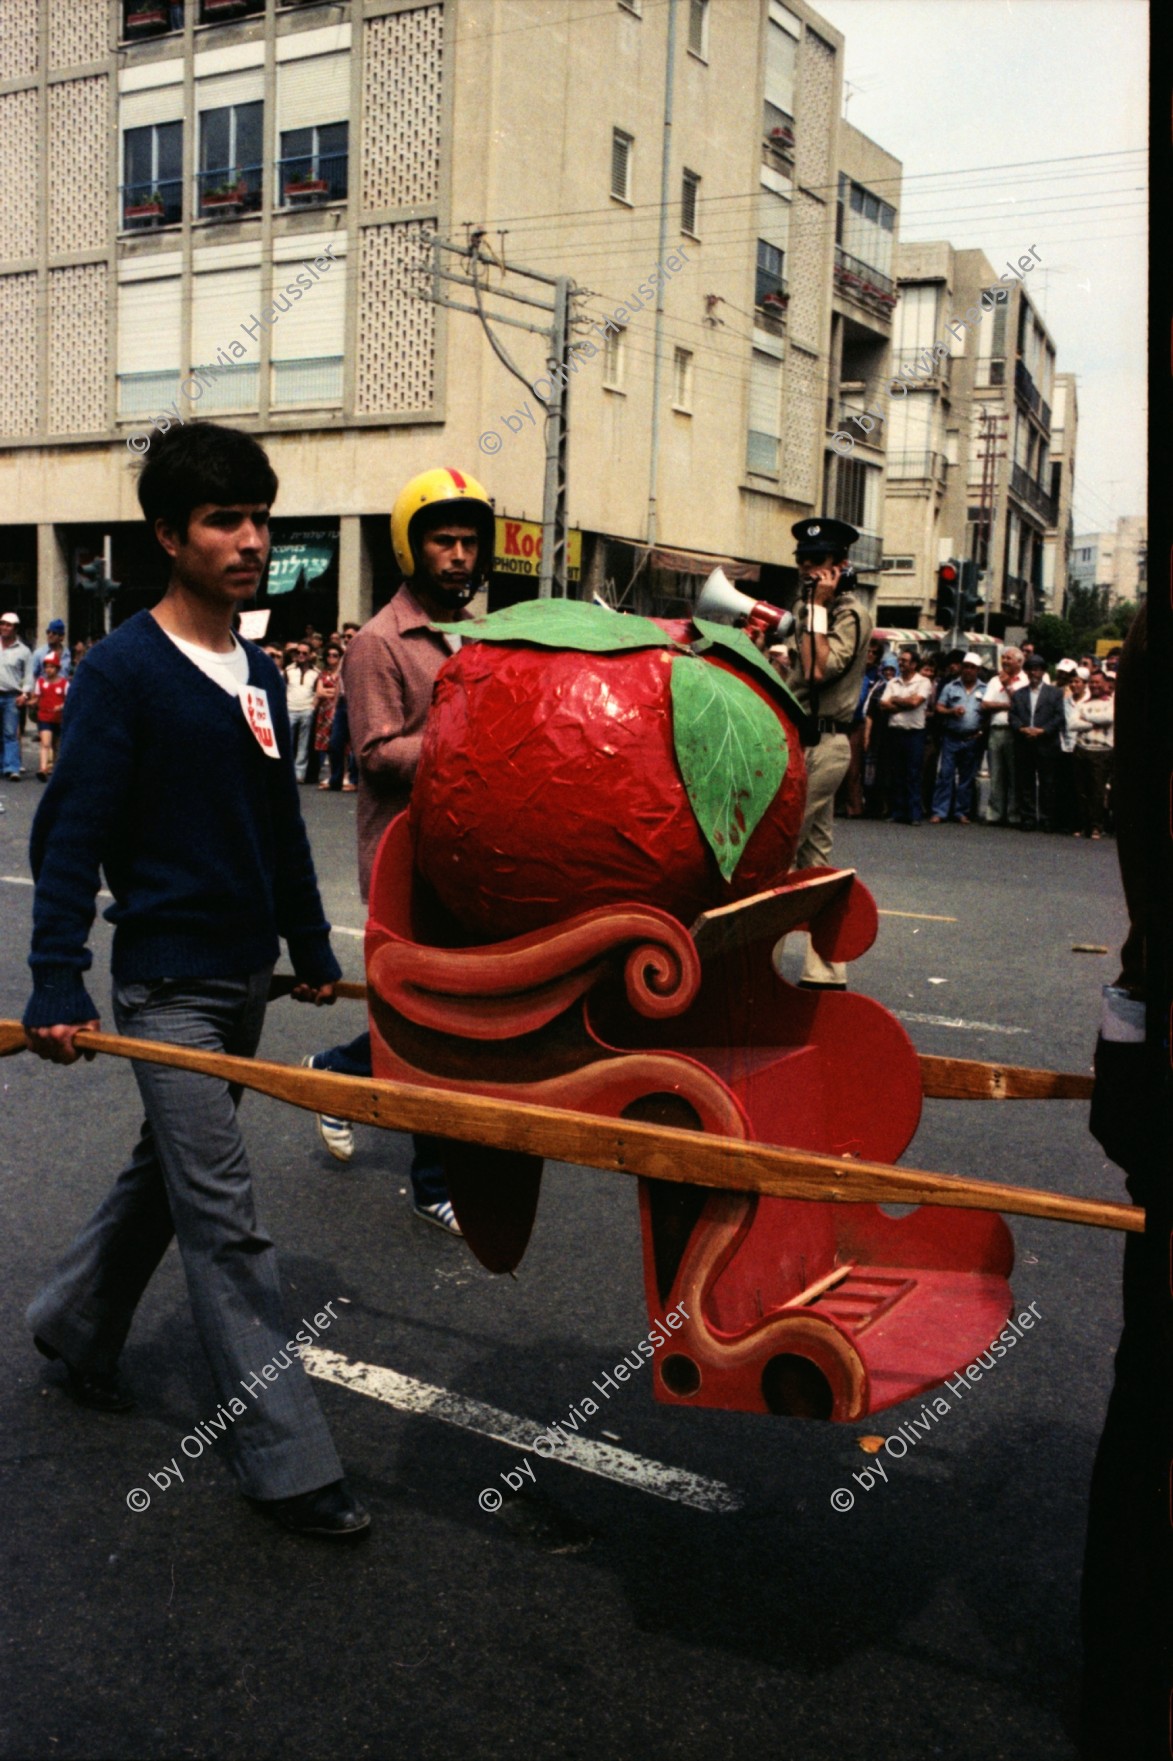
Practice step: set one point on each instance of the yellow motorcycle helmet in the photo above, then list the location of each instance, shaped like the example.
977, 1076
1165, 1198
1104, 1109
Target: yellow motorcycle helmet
451, 494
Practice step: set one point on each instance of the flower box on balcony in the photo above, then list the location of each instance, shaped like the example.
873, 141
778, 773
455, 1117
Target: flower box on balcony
146, 18
775, 302
151, 210
307, 186
223, 8
782, 137
224, 199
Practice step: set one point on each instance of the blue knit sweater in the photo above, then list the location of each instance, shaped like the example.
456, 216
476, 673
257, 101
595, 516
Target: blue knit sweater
160, 783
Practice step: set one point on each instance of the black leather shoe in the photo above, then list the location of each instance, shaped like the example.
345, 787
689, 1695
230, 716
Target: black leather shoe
100, 1390
332, 1510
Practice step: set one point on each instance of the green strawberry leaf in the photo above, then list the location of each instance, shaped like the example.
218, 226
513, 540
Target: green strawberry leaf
564, 623
737, 642
732, 753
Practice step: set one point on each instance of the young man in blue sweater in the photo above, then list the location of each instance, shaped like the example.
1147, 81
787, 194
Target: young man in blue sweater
175, 777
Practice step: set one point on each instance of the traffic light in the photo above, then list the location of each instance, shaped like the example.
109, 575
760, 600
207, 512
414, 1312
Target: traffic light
92, 578
971, 598
948, 591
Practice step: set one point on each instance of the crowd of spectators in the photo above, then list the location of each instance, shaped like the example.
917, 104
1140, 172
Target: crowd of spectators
928, 730
316, 702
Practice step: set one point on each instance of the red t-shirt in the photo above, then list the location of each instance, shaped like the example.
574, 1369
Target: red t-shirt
50, 699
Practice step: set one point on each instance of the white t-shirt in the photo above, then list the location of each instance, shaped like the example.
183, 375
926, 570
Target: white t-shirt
229, 671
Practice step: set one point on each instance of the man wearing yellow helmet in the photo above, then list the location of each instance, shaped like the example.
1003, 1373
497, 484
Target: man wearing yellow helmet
442, 533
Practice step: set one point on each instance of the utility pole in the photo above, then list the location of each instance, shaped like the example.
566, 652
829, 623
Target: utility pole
658, 345
984, 527
479, 259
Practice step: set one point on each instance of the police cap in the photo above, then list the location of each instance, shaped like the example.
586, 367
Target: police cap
823, 537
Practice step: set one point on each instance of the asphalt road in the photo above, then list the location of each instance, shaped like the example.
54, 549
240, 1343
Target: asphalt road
589, 1616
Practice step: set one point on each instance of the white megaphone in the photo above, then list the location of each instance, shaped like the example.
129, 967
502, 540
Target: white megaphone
720, 601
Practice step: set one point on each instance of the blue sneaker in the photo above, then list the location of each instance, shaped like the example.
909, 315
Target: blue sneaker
441, 1214
336, 1134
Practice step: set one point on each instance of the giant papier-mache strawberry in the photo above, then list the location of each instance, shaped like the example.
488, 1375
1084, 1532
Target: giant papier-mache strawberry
576, 758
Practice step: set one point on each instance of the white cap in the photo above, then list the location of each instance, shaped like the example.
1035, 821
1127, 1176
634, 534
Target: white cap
1081, 672
9, 617
1066, 666
971, 659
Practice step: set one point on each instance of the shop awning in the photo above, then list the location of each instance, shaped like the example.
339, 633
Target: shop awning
688, 562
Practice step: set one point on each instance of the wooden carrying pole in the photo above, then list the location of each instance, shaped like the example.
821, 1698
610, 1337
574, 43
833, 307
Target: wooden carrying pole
657, 1152
950, 1079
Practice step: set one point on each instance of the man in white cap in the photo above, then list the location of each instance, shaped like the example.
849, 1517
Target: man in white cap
959, 709
1074, 689
16, 679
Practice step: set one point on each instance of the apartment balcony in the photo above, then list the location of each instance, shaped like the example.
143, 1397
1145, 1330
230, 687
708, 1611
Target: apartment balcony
855, 420
1029, 493
867, 553
1029, 396
864, 286
935, 372
917, 467
778, 139
1014, 593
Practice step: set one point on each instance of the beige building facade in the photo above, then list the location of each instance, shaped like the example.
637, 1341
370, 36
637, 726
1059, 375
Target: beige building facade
975, 441
221, 209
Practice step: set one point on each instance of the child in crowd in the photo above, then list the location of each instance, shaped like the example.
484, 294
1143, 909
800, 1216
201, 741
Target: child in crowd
50, 691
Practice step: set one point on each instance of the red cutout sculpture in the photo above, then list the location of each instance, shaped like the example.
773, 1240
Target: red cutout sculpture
808, 1308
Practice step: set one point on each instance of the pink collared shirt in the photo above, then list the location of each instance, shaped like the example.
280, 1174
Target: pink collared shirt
389, 670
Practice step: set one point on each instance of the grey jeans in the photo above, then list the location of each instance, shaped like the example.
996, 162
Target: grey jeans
188, 1175
1003, 799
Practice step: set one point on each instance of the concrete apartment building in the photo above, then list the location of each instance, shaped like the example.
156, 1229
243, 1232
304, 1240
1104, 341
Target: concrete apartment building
973, 445
218, 209
1059, 539
1116, 563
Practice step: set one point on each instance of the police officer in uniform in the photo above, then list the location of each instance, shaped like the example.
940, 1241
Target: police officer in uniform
831, 638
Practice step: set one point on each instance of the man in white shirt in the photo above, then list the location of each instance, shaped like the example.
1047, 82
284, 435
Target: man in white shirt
904, 702
1002, 806
301, 677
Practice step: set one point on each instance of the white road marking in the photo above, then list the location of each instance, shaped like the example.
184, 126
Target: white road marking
950, 1021
406, 1394
340, 929
924, 916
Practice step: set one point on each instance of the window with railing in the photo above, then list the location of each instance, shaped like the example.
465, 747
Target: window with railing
778, 128
313, 380
230, 173
140, 21
314, 164
152, 182
769, 286
224, 11
765, 414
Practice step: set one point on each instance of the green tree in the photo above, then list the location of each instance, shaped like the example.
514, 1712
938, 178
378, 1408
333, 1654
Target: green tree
1053, 637
1086, 609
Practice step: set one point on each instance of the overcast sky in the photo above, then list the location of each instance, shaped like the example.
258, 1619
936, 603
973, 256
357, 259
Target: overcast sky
1020, 123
